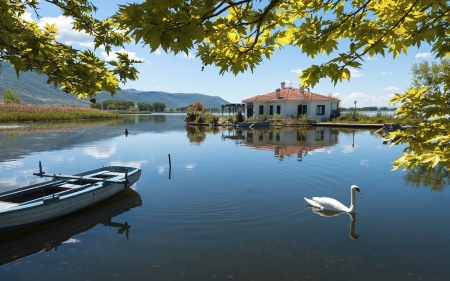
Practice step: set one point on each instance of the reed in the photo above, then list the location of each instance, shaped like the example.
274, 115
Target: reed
13, 129
26, 112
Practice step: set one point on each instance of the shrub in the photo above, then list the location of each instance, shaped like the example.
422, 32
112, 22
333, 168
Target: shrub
277, 118
9, 96
263, 118
194, 112
211, 118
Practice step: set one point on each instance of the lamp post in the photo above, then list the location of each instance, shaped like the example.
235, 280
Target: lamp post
354, 114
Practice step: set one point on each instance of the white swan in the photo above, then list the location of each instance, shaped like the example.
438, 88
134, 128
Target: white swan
325, 203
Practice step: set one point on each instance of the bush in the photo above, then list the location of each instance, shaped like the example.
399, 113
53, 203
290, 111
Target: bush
277, 118
194, 112
9, 96
263, 118
211, 118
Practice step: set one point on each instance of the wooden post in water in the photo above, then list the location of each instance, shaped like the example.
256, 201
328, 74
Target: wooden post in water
170, 167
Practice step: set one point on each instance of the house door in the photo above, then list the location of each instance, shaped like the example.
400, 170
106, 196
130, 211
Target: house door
249, 112
302, 109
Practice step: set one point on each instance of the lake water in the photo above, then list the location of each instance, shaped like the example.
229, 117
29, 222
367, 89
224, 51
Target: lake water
230, 208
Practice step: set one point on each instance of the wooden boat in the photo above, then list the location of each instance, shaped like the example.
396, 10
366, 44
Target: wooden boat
392, 127
63, 195
252, 124
24, 242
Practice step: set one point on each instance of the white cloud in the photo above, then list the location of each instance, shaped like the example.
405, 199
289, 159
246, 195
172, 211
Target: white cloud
72, 241
26, 16
13, 164
161, 169
189, 166
335, 95
19, 179
66, 34
348, 148
189, 56
390, 89
423, 55
113, 56
364, 162
59, 158
136, 164
371, 58
100, 152
157, 52
386, 73
90, 45
355, 73
298, 71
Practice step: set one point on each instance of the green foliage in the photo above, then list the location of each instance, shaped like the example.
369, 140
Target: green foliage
117, 104
277, 118
154, 107
437, 178
9, 96
194, 112
236, 36
97, 105
27, 46
19, 112
429, 99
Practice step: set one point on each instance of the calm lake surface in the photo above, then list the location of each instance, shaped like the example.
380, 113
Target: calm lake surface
230, 208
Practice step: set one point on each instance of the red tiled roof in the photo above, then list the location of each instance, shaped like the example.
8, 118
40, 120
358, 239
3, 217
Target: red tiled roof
289, 93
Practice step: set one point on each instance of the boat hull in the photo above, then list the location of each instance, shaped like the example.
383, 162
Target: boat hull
52, 207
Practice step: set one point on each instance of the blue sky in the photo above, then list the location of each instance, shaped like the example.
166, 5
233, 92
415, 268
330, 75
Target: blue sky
373, 85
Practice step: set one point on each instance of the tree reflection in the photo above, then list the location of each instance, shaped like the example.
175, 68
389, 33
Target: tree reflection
436, 178
197, 134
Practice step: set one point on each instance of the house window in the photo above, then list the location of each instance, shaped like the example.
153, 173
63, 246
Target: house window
320, 135
278, 109
261, 109
271, 110
320, 110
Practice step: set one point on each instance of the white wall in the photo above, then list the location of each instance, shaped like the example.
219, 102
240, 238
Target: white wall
290, 108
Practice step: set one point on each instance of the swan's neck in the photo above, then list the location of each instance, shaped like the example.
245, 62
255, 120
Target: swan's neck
353, 201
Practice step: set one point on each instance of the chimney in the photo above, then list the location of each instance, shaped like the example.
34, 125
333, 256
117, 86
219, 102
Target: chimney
277, 93
283, 85
302, 90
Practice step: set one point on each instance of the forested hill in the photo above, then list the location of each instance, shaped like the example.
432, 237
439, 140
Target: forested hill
33, 89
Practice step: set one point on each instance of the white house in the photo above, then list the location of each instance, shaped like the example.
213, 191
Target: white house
291, 102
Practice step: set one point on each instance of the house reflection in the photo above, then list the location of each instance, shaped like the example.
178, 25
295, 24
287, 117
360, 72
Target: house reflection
286, 142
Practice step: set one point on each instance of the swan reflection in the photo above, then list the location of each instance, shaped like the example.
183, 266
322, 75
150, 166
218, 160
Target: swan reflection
327, 213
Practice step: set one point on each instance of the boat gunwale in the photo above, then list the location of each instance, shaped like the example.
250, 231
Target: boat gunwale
66, 194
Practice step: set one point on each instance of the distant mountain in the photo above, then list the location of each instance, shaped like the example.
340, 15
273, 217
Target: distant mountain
33, 89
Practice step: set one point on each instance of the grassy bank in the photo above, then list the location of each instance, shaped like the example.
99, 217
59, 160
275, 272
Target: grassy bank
378, 118
26, 112
345, 118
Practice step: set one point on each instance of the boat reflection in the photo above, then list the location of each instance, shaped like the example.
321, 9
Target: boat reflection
327, 213
285, 142
25, 242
